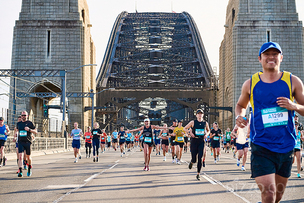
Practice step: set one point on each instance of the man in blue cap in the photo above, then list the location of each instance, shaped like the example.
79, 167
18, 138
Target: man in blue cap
271, 94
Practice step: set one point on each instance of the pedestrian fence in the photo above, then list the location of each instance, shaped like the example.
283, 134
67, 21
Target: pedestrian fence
41, 143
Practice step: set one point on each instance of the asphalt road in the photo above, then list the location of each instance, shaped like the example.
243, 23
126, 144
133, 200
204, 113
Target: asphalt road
56, 178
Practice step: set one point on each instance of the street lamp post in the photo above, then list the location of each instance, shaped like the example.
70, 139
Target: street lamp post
92, 97
63, 96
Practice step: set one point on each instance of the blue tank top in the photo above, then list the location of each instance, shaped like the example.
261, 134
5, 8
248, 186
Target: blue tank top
157, 132
2, 133
115, 135
298, 143
271, 126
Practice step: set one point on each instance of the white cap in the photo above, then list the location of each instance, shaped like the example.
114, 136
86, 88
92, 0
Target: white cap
147, 119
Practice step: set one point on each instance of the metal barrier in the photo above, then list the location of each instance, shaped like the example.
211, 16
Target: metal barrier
41, 143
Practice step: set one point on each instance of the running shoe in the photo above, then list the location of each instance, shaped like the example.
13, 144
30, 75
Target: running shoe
211, 154
20, 174
299, 175
80, 157
204, 164
4, 161
147, 169
29, 172
178, 162
18, 171
173, 161
121, 155
76, 160
198, 177
24, 165
215, 161
164, 158
301, 168
218, 158
190, 165
124, 152
233, 154
243, 168
158, 153
238, 162
94, 159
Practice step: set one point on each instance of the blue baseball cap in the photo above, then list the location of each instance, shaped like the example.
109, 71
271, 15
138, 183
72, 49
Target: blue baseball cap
269, 45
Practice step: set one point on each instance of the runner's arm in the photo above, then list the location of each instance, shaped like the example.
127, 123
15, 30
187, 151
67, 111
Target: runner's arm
189, 125
207, 130
134, 130
241, 106
298, 93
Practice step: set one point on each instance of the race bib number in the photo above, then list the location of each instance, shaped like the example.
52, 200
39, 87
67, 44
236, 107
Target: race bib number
1, 135
23, 133
164, 134
148, 139
94, 132
274, 117
88, 136
215, 138
76, 135
199, 132
180, 139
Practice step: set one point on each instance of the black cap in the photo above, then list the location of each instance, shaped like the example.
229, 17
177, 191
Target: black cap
199, 111
1, 119
180, 121
174, 120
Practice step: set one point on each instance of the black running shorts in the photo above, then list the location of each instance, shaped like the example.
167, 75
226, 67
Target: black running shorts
264, 162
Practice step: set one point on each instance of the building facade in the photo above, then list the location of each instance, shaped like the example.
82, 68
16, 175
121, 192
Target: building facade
52, 35
249, 24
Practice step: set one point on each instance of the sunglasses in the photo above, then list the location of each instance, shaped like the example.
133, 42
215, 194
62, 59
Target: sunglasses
23, 115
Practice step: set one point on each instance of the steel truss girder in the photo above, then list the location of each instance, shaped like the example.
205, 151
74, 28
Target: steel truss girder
31, 73
131, 48
54, 95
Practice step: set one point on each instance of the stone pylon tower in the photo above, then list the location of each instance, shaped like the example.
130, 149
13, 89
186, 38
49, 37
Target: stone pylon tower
249, 24
54, 34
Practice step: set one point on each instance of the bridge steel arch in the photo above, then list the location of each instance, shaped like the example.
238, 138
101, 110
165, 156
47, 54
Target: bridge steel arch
153, 55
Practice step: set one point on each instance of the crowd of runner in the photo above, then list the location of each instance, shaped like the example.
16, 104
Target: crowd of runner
195, 137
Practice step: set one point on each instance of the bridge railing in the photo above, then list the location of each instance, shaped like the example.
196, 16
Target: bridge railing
41, 143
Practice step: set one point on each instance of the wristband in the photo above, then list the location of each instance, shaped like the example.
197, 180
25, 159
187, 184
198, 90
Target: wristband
239, 116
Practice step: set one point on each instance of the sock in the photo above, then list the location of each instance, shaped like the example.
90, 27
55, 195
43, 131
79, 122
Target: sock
0, 161
17, 161
203, 160
20, 170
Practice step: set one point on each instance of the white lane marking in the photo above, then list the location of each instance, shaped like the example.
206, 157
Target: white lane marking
60, 186
228, 188
90, 178
80, 186
211, 181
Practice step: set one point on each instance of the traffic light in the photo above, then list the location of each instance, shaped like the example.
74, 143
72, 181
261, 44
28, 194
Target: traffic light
45, 109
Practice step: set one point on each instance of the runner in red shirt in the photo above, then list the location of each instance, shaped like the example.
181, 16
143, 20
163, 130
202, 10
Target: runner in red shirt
136, 140
103, 139
88, 142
